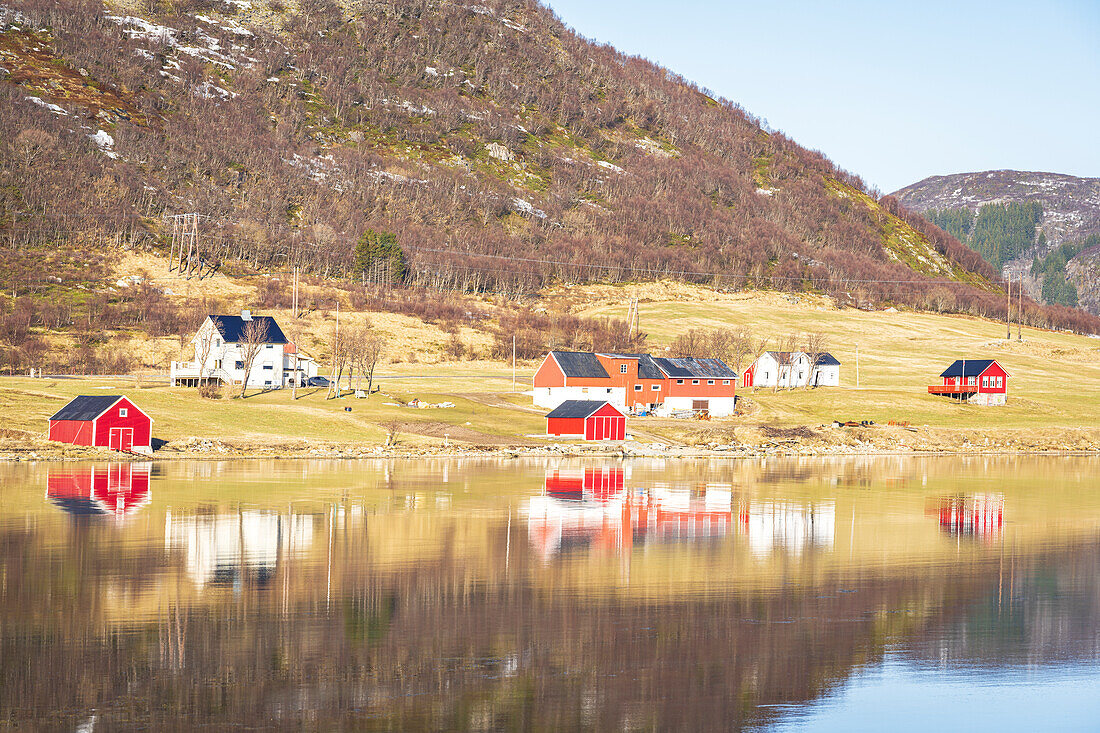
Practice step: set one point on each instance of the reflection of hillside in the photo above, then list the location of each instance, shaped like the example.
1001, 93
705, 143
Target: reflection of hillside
422, 647
226, 549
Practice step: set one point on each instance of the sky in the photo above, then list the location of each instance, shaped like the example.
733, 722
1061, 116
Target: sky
891, 91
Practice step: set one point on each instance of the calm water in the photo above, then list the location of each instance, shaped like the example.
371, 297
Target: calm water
835, 595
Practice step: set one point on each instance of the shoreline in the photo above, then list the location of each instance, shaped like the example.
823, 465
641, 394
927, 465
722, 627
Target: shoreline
212, 450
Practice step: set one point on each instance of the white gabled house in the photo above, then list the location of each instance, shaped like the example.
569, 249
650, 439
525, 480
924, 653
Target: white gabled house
220, 355
789, 369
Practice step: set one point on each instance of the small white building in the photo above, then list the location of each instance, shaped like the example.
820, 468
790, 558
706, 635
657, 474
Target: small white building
788, 369
220, 355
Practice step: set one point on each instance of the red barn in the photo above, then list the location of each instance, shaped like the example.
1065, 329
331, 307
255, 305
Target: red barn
978, 381
588, 419
108, 421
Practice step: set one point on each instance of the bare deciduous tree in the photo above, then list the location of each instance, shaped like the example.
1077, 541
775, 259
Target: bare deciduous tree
253, 338
815, 348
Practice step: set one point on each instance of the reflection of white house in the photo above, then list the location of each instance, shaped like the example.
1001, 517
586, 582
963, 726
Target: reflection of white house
220, 355
792, 369
792, 528
229, 548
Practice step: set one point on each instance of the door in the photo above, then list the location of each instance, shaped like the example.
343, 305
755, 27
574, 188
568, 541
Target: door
121, 439
700, 405
597, 428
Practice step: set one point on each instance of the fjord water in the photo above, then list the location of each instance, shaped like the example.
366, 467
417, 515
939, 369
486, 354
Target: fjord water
886, 593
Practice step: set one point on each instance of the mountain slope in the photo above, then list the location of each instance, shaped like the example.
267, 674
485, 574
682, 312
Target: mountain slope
1070, 214
504, 151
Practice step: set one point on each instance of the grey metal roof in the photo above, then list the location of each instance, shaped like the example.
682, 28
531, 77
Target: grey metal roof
580, 364
826, 359
696, 368
647, 367
974, 368
576, 408
86, 407
232, 328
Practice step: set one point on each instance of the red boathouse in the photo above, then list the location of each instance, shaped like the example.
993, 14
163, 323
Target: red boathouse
588, 419
107, 421
978, 381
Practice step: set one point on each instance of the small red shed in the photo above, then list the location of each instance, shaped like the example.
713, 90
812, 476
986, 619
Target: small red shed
588, 419
108, 421
978, 381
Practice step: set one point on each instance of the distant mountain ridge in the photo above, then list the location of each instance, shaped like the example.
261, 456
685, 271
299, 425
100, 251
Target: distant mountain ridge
1070, 215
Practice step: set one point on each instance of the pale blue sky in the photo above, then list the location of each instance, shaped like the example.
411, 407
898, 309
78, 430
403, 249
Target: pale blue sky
892, 91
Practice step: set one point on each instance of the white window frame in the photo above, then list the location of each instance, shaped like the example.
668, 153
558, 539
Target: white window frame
637, 388
123, 412
695, 381
622, 369
710, 381
655, 387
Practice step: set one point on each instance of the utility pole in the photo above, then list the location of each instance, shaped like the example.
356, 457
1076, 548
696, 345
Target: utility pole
857, 366
1008, 308
1020, 310
513, 362
297, 333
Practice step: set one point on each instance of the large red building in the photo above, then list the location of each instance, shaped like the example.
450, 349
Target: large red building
978, 381
107, 421
637, 382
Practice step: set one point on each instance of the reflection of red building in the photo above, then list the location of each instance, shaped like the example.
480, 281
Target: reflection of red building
979, 515
118, 488
593, 508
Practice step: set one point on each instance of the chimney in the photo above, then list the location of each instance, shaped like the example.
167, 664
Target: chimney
246, 315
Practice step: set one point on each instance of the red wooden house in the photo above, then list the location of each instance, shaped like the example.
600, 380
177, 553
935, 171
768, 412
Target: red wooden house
978, 381
588, 419
108, 421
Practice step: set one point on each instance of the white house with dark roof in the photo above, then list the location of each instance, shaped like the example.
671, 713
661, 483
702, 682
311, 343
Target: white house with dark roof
790, 369
220, 355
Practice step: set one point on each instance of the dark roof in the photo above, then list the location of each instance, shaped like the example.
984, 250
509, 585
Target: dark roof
648, 368
232, 328
576, 408
826, 359
696, 368
580, 364
86, 407
974, 368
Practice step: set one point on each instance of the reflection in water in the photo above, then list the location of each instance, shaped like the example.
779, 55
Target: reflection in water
228, 549
117, 488
639, 595
789, 527
977, 515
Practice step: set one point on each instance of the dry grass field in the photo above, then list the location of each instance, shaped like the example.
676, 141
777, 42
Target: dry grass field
1053, 389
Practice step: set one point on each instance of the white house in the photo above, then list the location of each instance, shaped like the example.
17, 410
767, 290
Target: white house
792, 369
220, 355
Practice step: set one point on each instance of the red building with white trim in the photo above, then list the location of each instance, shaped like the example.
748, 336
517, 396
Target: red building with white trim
107, 421
588, 419
977, 381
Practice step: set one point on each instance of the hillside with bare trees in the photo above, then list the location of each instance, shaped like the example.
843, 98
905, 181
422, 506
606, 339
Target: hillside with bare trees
470, 147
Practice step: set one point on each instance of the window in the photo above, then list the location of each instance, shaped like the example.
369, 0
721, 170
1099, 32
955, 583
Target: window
217, 363
1000, 381
622, 369
217, 342
239, 364
637, 388
122, 412
270, 346
725, 381
710, 381
695, 381
679, 381
269, 365
985, 382
656, 388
